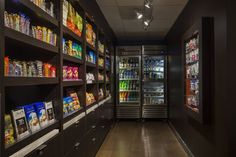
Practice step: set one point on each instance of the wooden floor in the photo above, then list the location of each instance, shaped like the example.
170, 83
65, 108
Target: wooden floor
136, 139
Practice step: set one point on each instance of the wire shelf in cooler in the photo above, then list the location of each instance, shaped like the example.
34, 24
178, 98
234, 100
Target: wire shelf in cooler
129, 79
129, 90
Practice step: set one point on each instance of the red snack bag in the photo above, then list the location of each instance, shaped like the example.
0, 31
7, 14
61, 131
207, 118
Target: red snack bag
6, 63
75, 73
69, 73
53, 71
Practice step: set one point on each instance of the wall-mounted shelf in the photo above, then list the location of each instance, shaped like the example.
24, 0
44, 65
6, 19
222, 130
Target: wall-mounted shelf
29, 81
20, 38
68, 83
72, 59
67, 31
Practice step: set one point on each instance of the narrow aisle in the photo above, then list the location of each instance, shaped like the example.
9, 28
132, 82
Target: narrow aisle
135, 139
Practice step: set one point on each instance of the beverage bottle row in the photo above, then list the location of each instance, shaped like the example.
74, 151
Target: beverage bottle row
129, 62
129, 96
154, 75
129, 74
152, 100
128, 85
154, 64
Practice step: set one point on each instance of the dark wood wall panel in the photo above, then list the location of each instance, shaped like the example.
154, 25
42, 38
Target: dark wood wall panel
231, 101
203, 140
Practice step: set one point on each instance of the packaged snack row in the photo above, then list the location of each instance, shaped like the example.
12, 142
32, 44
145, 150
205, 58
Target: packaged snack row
20, 22
72, 19
72, 49
70, 73
37, 68
44, 34
46, 5
28, 119
71, 103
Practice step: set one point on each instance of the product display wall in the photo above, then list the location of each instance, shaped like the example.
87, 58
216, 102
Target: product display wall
56, 72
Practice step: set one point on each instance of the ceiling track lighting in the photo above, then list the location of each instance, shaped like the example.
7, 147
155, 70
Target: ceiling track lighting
145, 14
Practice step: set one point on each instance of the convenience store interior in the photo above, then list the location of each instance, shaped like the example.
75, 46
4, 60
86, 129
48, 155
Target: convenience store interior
117, 78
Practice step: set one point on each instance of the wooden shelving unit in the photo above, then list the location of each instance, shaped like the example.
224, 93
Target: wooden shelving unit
44, 88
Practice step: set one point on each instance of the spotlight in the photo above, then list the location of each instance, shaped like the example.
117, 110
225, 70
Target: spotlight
147, 21
139, 14
147, 4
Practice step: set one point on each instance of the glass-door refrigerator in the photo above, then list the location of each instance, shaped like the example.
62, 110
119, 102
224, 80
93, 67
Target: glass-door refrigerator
154, 102
128, 84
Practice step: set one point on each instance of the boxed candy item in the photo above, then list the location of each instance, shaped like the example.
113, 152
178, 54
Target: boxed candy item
49, 111
20, 123
41, 113
31, 117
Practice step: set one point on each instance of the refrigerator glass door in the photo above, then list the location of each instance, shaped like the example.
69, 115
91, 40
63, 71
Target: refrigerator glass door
129, 80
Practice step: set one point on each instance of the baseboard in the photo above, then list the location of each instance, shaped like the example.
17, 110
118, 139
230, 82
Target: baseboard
181, 141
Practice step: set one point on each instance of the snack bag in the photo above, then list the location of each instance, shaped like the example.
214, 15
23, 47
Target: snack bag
65, 72
53, 71
65, 106
70, 103
75, 73
75, 98
69, 73
9, 131
6, 65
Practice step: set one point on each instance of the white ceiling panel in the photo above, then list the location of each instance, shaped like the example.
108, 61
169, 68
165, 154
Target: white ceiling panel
169, 2
107, 2
130, 2
167, 12
121, 18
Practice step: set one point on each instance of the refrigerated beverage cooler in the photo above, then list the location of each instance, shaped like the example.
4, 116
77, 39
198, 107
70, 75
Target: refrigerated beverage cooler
141, 75
128, 82
154, 103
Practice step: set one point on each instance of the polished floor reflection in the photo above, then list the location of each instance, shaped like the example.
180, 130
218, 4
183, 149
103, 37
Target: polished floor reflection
136, 139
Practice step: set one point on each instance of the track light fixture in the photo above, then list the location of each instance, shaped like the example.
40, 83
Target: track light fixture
139, 14
148, 4
147, 21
